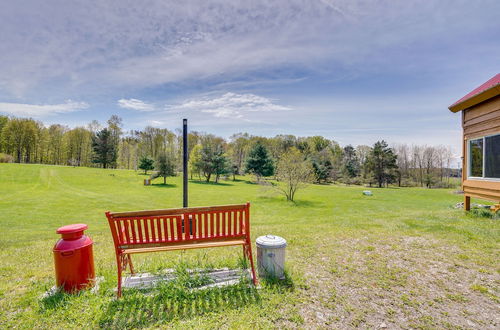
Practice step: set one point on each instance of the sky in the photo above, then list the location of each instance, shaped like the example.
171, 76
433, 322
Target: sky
352, 71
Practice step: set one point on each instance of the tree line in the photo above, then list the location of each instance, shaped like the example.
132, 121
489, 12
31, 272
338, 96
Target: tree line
320, 160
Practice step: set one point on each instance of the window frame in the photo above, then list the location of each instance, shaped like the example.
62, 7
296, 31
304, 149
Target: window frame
469, 159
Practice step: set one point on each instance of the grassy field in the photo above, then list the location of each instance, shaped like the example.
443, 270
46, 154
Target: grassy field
402, 257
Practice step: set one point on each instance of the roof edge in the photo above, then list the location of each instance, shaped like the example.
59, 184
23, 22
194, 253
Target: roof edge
476, 99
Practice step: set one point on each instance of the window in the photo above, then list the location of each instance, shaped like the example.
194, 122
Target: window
476, 157
492, 154
484, 157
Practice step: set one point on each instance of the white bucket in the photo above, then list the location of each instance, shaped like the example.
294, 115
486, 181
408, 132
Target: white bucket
271, 256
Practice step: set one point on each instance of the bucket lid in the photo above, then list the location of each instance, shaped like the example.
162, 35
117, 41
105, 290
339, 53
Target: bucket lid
72, 229
270, 242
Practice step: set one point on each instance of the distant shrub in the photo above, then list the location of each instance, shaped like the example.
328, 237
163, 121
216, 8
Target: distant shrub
4, 158
352, 181
443, 184
408, 183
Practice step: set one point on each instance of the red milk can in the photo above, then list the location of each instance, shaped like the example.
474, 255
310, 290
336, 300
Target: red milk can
73, 258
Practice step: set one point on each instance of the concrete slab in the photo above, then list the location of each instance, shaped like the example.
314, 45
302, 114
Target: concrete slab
219, 278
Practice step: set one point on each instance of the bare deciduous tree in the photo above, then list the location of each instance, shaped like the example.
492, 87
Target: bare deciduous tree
293, 173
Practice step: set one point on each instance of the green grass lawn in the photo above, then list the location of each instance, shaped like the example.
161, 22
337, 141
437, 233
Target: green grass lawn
404, 257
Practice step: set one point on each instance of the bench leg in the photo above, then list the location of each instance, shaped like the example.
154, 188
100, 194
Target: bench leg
245, 254
248, 250
119, 266
131, 266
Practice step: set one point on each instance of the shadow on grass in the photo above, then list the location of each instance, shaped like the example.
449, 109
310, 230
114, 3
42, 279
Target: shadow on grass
278, 285
307, 203
57, 300
262, 182
136, 309
377, 187
53, 301
296, 203
164, 185
211, 183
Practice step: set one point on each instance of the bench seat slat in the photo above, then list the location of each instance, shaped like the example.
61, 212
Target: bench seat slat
187, 240
207, 244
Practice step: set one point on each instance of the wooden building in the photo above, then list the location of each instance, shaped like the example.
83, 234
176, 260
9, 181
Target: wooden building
481, 141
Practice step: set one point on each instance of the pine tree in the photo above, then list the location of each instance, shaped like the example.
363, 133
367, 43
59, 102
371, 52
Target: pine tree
321, 169
259, 162
220, 163
104, 148
382, 163
206, 165
165, 166
350, 164
146, 164
213, 161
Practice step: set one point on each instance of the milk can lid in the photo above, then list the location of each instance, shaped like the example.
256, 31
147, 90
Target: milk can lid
270, 242
72, 229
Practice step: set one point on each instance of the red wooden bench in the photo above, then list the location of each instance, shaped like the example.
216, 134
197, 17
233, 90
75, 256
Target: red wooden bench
179, 229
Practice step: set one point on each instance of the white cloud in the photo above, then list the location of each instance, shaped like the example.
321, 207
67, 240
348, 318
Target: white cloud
231, 105
156, 123
135, 104
41, 110
96, 46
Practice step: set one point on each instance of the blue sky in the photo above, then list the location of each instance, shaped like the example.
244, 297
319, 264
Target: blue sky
353, 71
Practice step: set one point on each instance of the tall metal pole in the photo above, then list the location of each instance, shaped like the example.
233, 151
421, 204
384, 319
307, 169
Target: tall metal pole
185, 163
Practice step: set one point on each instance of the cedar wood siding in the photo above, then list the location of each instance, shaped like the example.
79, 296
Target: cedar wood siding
478, 121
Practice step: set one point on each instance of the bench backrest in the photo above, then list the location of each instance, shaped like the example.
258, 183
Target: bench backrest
179, 225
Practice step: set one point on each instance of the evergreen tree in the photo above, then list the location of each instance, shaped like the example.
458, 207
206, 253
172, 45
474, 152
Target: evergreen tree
146, 164
105, 152
220, 163
165, 166
350, 163
213, 161
259, 162
382, 163
206, 161
321, 169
